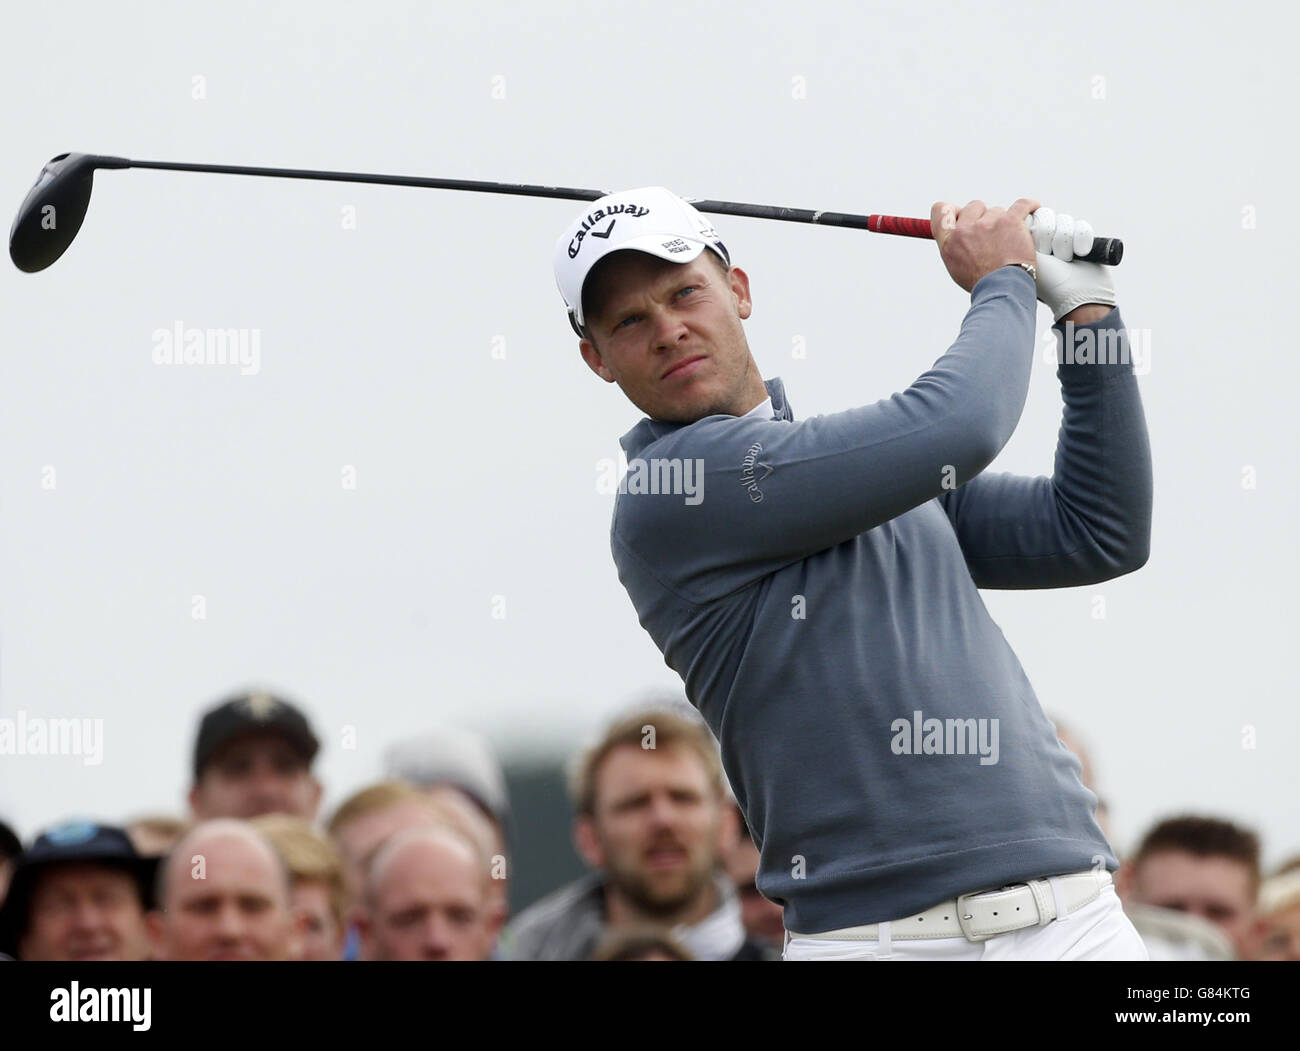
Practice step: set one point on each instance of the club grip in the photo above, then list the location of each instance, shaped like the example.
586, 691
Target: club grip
901, 225
1107, 250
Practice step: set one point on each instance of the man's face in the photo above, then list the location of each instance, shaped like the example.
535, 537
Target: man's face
322, 932
432, 903
85, 911
657, 826
670, 336
1217, 889
256, 775
236, 909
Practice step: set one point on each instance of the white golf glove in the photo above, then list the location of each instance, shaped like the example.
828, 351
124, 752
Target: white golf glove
1063, 281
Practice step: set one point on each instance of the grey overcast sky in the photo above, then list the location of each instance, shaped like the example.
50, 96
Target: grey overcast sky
424, 348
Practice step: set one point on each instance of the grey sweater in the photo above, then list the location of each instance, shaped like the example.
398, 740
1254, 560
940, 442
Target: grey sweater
818, 596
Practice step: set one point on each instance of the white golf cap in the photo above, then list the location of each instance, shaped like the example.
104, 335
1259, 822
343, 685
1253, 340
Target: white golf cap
650, 219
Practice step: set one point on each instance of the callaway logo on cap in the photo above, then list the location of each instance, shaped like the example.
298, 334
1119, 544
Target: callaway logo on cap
651, 219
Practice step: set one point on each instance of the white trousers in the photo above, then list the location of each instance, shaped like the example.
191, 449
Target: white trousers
1097, 931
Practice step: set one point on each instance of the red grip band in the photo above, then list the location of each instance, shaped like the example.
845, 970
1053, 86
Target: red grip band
897, 224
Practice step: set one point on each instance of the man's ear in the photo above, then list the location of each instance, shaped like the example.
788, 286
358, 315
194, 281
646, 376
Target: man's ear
594, 361
588, 843
739, 281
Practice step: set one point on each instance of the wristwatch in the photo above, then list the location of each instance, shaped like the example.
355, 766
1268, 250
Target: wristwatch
1029, 268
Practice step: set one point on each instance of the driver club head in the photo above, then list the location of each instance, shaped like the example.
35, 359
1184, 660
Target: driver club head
53, 210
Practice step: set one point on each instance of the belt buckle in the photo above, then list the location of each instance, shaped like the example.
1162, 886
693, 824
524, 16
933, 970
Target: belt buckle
963, 918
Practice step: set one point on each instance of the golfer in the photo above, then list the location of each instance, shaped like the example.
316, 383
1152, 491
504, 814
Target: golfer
815, 583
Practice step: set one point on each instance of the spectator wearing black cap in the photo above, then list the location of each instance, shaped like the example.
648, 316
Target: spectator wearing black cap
253, 756
80, 892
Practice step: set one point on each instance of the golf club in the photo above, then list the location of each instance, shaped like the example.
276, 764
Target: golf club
53, 210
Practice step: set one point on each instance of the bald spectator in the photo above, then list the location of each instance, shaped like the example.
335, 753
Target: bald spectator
370, 816
253, 756
487, 834
428, 896
224, 895
316, 891
458, 767
1198, 865
79, 893
155, 835
652, 822
763, 919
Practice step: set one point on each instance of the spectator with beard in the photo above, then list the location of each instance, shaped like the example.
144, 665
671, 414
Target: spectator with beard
653, 819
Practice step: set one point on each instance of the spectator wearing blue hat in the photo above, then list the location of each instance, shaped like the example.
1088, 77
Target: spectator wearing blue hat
80, 892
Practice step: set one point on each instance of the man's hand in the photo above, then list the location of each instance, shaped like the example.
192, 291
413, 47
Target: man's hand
976, 240
1073, 290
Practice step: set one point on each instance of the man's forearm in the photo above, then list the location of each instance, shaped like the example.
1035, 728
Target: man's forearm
1091, 520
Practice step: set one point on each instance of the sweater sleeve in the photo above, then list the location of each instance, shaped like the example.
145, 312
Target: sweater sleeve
776, 491
1091, 520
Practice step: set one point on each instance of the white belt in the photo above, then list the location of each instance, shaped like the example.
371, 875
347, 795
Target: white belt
981, 915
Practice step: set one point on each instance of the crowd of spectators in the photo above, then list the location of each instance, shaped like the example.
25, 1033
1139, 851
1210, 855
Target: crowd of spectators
416, 865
